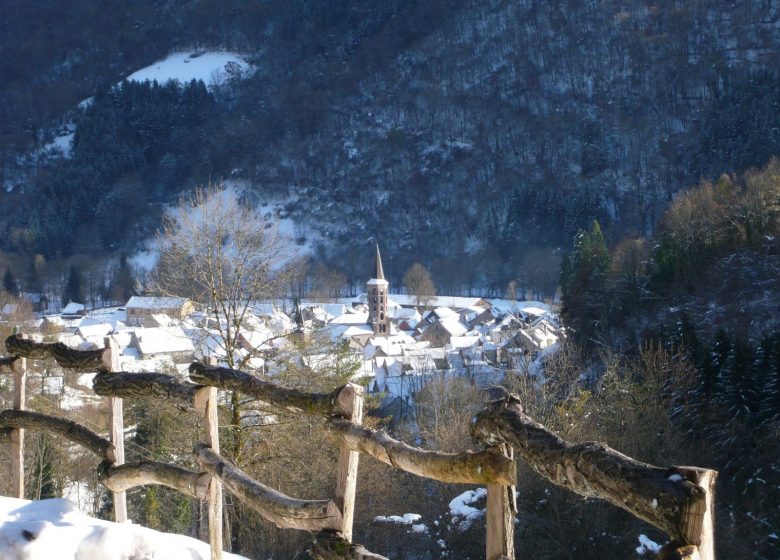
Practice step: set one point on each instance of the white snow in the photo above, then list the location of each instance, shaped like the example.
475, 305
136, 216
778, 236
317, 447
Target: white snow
61, 145
184, 67
405, 519
646, 545
463, 514
48, 529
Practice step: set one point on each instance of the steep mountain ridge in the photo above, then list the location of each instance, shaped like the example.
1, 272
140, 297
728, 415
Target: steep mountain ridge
471, 134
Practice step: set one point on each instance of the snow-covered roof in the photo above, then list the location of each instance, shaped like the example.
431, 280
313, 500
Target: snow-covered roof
350, 319
73, 308
357, 330
95, 330
453, 326
444, 313
163, 340
147, 302
464, 341
399, 313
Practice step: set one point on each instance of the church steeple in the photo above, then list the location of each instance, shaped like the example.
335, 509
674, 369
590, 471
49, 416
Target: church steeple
376, 293
380, 274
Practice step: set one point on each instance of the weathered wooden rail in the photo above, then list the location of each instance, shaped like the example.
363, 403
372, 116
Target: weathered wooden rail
677, 500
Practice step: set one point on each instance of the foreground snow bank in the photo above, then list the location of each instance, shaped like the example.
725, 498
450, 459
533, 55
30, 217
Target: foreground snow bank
49, 529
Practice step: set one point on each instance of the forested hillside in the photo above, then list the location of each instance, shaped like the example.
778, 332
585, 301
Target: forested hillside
455, 131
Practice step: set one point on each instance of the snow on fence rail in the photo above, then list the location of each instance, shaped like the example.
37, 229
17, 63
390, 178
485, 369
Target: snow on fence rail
677, 500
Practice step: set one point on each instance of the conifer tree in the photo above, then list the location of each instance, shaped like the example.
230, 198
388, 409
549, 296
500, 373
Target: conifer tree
74, 289
9, 283
583, 283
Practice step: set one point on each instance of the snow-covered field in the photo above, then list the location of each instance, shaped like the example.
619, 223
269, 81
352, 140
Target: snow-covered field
211, 67
54, 529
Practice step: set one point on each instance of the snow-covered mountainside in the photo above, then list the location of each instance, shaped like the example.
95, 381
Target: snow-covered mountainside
54, 529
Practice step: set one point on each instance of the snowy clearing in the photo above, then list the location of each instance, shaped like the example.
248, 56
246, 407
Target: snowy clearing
48, 529
184, 67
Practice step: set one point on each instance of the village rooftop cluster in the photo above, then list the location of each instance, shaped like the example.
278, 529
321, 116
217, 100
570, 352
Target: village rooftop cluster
396, 344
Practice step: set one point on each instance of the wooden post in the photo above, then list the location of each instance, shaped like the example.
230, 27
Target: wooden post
116, 425
206, 404
500, 518
351, 405
17, 436
698, 519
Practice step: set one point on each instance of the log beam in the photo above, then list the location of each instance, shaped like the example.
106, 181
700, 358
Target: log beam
281, 510
659, 496
7, 361
484, 467
292, 400
124, 477
66, 428
125, 385
67, 357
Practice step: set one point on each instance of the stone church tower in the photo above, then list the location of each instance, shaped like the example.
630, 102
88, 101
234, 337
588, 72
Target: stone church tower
376, 292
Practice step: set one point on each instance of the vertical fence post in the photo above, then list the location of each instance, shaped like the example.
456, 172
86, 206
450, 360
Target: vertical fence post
206, 404
699, 517
116, 425
500, 518
19, 368
351, 405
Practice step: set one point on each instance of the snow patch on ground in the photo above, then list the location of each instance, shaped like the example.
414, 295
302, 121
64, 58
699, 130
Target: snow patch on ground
61, 145
463, 514
647, 546
405, 519
48, 529
211, 67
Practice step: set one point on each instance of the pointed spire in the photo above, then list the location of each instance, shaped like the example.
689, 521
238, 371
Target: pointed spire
380, 274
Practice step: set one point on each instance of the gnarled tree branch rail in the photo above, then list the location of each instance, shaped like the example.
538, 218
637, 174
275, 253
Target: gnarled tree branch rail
292, 400
7, 360
67, 357
677, 500
663, 497
279, 509
148, 384
120, 478
66, 428
485, 467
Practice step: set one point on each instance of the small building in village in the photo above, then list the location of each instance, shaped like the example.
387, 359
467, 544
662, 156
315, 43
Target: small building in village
140, 309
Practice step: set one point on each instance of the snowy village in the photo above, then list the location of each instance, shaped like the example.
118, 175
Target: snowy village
389, 280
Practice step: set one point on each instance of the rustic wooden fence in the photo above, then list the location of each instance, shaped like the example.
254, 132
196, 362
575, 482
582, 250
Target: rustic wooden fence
677, 500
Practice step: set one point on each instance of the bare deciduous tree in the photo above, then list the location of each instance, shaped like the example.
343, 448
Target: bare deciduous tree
223, 255
418, 282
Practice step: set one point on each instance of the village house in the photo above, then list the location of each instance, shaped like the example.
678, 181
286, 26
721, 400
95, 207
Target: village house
169, 341
141, 308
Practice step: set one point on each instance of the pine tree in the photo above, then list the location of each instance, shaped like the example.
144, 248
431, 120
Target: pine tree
9, 283
74, 289
583, 283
